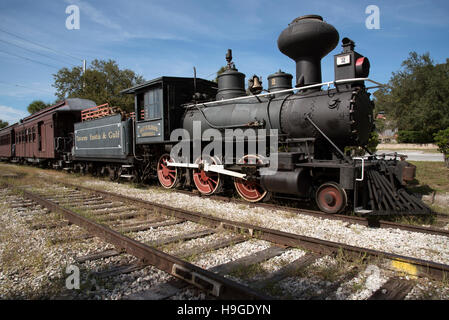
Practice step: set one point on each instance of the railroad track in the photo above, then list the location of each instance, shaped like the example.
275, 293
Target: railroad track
111, 215
374, 221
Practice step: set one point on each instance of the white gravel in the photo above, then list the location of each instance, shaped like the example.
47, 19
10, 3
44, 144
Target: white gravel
221, 256
363, 285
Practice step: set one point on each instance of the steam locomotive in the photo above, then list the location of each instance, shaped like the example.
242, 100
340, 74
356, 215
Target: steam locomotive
284, 141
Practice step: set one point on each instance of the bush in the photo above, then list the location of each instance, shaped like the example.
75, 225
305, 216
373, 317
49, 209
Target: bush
405, 136
373, 142
359, 151
442, 141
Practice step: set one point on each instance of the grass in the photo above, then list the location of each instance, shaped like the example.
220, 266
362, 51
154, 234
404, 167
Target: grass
248, 272
430, 177
408, 149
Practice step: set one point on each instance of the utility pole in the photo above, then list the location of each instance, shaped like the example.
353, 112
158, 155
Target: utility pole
84, 73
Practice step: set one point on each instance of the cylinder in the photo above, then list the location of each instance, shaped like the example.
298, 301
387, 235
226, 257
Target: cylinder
296, 182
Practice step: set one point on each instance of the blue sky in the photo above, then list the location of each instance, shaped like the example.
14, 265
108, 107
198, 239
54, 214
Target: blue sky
156, 38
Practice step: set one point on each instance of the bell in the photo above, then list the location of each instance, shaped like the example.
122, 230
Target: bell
257, 86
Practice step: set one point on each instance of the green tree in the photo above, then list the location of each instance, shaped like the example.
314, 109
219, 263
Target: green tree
102, 83
220, 71
417, 97
37, 105
3, 124
442, 141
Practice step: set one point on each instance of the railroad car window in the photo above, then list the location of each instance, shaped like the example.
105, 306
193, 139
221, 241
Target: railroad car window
153, 104
4, 140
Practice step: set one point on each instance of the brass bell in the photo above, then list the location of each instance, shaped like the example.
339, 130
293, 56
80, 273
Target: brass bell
256, 87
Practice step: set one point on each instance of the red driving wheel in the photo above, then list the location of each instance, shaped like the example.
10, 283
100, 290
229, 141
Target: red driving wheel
331, 198
250, 190
168, 176
206, 182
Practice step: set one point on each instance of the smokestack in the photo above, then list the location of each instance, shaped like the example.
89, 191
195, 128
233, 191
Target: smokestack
307, 40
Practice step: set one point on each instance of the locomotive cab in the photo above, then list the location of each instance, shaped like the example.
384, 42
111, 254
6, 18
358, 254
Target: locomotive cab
158, 104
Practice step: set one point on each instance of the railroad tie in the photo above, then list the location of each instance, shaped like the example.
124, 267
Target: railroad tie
68, 238
53, 225
150, 225
394, 289
288, 270
110, 217
117, 270
254, 258
23, 205
114, 210
160, 291
138, 223
211, 246
97, 256
183, 237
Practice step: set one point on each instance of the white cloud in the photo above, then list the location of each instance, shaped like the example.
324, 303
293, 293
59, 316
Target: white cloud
11, 115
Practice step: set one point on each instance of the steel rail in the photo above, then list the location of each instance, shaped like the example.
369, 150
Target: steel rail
410, 265
208, 281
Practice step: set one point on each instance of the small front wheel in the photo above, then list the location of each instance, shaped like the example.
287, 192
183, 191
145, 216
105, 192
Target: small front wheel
331, 198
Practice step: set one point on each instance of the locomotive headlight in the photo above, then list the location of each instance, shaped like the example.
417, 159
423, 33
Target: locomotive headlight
362, 66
